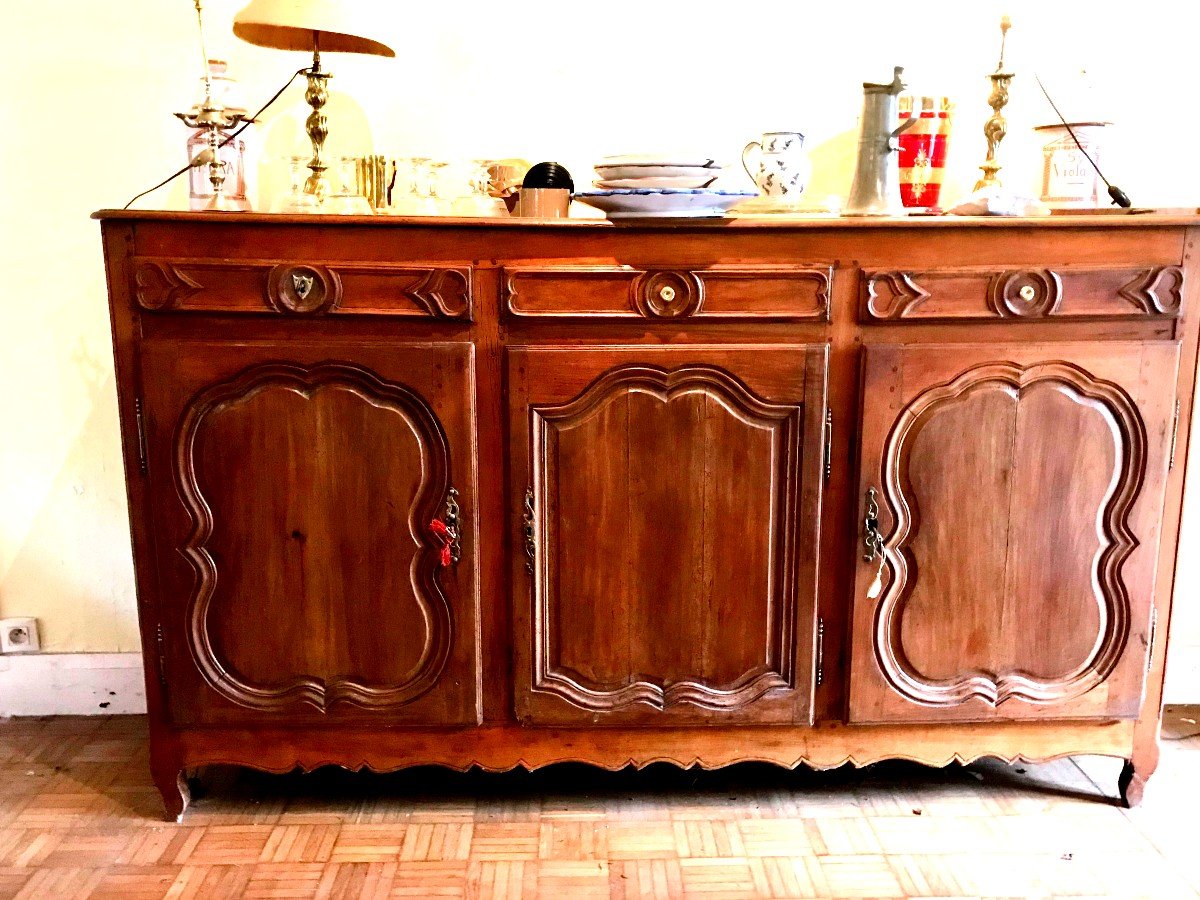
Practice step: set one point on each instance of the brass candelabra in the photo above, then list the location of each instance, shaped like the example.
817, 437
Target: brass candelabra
996, 126
215, 119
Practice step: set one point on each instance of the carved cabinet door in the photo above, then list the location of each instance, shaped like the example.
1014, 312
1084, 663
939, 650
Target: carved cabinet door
665, 505
1017, 490
297, 490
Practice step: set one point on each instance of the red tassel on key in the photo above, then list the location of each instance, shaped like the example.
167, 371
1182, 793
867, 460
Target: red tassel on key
438, 527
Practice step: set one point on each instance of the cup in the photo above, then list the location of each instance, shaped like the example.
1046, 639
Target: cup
778, 165
922, 160
544, 203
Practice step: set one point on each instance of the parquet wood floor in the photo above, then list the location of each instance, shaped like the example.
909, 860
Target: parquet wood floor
79, 818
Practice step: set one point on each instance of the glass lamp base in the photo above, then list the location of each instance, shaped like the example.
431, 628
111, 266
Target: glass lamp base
346, 205
226, 204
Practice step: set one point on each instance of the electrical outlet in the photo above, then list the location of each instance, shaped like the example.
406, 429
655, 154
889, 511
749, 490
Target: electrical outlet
19, 636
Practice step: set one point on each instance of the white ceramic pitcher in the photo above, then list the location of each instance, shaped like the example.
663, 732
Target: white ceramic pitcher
778, 165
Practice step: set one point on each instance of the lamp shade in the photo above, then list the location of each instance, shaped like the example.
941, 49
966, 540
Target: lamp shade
337, 26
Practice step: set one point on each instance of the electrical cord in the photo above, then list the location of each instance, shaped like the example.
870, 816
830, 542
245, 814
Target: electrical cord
1119, 197
250, 121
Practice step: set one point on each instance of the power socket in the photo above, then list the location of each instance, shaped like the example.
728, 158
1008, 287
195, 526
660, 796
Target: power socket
19, 636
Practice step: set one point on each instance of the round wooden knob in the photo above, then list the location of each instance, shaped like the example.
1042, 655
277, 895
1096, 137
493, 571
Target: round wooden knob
666, 294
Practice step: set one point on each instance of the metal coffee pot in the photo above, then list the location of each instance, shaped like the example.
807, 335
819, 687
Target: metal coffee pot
876, 187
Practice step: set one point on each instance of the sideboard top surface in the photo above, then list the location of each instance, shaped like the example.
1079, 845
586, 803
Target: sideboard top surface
1098, 219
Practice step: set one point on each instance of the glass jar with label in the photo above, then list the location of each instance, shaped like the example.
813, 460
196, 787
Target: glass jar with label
1069, 181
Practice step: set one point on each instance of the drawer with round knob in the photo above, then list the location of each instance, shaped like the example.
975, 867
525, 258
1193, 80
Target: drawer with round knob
754, 292
1078, 292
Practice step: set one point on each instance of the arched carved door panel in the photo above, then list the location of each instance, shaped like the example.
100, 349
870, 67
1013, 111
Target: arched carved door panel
302, 574
1018, 489
671, 500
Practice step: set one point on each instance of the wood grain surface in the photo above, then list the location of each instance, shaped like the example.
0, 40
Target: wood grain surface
696, 410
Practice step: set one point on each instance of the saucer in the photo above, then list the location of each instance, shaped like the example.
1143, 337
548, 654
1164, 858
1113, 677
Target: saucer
613, 172
648, 203
659, 159
685, 182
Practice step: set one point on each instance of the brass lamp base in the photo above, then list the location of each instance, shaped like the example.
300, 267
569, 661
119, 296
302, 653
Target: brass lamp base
317, 126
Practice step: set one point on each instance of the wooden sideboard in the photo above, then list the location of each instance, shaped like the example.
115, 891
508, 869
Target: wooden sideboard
506, 493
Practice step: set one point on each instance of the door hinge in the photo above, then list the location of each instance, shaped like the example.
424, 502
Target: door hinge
141, 435
1174, 436
828, 443
162, 658
820, 650
1153, 635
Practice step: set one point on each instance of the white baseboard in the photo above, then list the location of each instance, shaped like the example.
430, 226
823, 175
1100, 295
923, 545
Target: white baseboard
71, 684
1183, 675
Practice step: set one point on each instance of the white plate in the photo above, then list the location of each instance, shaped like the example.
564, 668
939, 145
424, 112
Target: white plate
665, 181
658, 159
666, 203
655, 170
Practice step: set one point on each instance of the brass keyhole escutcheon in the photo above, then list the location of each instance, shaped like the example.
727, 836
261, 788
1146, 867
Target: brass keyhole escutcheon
667, 293
1027, 292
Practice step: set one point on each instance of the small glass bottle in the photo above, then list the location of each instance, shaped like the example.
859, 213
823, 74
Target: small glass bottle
225, 94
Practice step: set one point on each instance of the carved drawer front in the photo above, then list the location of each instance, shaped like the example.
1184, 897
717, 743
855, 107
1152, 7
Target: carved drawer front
314, 522
302, 288
668, 502
1021, 294
1011, 498
757, 292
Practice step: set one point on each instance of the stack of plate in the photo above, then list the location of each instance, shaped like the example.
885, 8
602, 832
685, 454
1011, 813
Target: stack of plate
641, 185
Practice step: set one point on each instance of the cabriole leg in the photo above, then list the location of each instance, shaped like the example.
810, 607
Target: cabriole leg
1132, 784
173, 786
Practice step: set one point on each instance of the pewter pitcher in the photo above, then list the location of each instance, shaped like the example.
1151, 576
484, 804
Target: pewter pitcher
876, 187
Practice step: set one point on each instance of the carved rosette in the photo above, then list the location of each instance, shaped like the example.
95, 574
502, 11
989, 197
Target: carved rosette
1117, 541
314, 689
1156, 291
1034, 294
667, 295
892, 295
303, 289
161, 285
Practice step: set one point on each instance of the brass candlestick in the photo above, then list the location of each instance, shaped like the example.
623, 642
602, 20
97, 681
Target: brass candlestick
996, 127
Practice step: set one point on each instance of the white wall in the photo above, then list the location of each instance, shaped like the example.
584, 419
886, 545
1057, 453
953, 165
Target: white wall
87, 124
